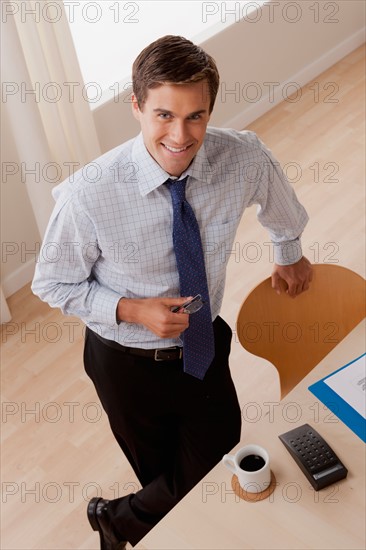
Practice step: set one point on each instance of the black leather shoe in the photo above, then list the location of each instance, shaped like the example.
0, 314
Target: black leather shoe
100, 521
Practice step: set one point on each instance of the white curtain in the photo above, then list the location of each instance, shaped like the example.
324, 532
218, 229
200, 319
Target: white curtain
54, 126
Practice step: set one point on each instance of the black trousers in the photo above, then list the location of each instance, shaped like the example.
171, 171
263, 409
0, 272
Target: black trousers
172, 427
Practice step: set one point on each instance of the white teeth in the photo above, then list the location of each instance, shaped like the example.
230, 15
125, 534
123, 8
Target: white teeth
174, 150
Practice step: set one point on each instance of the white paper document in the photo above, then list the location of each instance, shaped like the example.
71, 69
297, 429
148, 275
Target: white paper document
350, 384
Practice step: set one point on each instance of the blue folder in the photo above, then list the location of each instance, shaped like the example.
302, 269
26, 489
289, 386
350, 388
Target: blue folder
339, 406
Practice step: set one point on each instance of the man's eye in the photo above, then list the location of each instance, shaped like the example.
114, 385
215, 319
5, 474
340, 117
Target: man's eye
195, 117
164, 115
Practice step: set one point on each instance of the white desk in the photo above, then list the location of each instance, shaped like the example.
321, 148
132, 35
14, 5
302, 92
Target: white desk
212, 517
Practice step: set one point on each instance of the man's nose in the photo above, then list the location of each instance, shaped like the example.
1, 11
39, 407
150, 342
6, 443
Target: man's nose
178, 132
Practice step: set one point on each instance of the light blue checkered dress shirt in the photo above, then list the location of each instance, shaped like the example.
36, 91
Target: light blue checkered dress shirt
110, 234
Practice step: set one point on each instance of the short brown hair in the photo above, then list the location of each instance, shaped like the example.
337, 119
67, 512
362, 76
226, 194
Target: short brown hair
173, 60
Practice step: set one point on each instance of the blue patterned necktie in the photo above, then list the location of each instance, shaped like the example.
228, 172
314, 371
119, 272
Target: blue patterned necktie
198, 338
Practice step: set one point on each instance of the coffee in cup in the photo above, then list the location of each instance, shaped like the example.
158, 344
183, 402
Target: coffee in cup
251, 466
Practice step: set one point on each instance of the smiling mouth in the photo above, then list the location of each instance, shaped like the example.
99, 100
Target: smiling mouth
175, 149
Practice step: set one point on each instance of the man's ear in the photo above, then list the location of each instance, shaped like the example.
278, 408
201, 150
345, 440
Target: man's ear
135, 107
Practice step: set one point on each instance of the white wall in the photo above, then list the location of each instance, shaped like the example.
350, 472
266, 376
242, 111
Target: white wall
19, 232
264, 51
271, 50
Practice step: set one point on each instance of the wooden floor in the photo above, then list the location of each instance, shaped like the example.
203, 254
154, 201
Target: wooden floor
57, 450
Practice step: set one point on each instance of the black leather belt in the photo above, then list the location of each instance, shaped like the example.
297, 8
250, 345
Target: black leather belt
161, 354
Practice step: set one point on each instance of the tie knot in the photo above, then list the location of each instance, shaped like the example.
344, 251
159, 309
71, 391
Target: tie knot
177, 189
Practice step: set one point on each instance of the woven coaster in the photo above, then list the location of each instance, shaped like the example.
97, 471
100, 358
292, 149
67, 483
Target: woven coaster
253, 497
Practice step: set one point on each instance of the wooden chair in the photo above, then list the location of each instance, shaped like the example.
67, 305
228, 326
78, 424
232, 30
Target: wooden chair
294, 334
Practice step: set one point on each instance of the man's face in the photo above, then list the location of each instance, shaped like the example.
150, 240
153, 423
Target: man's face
173, 123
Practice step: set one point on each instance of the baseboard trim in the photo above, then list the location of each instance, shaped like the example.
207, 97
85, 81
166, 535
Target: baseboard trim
18, 278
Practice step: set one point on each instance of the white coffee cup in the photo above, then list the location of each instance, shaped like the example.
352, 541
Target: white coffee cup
251, 465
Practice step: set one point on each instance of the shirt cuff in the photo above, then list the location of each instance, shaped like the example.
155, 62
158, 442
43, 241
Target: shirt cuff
105, 306
288, 252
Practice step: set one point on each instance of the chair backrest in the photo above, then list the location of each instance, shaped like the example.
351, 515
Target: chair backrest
294, 334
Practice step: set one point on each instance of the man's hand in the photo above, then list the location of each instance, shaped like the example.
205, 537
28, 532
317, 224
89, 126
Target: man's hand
296, 277
155, 314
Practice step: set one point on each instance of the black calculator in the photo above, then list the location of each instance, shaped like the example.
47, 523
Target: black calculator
314, 456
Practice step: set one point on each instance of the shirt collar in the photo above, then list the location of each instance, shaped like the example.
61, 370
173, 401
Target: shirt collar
150, 175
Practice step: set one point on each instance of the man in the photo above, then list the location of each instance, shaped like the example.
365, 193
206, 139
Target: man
148, 235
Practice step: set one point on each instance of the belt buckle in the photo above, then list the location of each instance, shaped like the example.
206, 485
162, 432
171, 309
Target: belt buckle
156, 358
156, 354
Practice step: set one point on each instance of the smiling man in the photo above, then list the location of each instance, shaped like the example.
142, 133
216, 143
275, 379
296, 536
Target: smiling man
153, 231
172, 132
